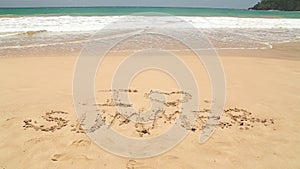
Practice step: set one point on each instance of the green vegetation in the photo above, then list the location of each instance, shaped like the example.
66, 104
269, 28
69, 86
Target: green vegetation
282, 5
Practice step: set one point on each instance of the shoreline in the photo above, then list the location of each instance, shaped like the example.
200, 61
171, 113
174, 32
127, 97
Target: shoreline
278, 51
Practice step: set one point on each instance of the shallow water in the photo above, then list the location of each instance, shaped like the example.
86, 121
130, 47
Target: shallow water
70, 33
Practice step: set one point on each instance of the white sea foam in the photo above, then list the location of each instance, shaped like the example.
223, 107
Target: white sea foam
94, 23
224, 32
54, 23
232, 22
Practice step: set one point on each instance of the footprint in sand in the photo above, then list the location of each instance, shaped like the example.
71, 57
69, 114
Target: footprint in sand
34, 141
81, 142
76, 150
130, 164
133, 164
66, 156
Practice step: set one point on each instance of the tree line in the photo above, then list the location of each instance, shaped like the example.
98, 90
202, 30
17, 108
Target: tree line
282, 5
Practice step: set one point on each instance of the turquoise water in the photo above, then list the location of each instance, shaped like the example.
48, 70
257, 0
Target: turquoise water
112, 11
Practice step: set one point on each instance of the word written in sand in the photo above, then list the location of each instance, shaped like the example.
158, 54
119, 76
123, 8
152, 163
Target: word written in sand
106, 117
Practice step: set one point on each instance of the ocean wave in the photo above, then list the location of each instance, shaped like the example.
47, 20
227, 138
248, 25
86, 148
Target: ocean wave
30, 33
224, 32
26, 33
94, 23
42, 44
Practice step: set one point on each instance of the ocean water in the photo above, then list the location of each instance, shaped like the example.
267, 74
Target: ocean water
117, 11
68, 29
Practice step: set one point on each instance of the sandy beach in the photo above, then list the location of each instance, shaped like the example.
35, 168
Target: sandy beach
258, 129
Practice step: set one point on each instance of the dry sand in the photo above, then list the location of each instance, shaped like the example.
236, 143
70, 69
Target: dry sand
264, 90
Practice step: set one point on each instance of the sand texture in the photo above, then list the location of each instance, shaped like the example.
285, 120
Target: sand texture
259, 127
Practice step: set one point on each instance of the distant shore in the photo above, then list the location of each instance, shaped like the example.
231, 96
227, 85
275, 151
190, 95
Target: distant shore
291, 5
